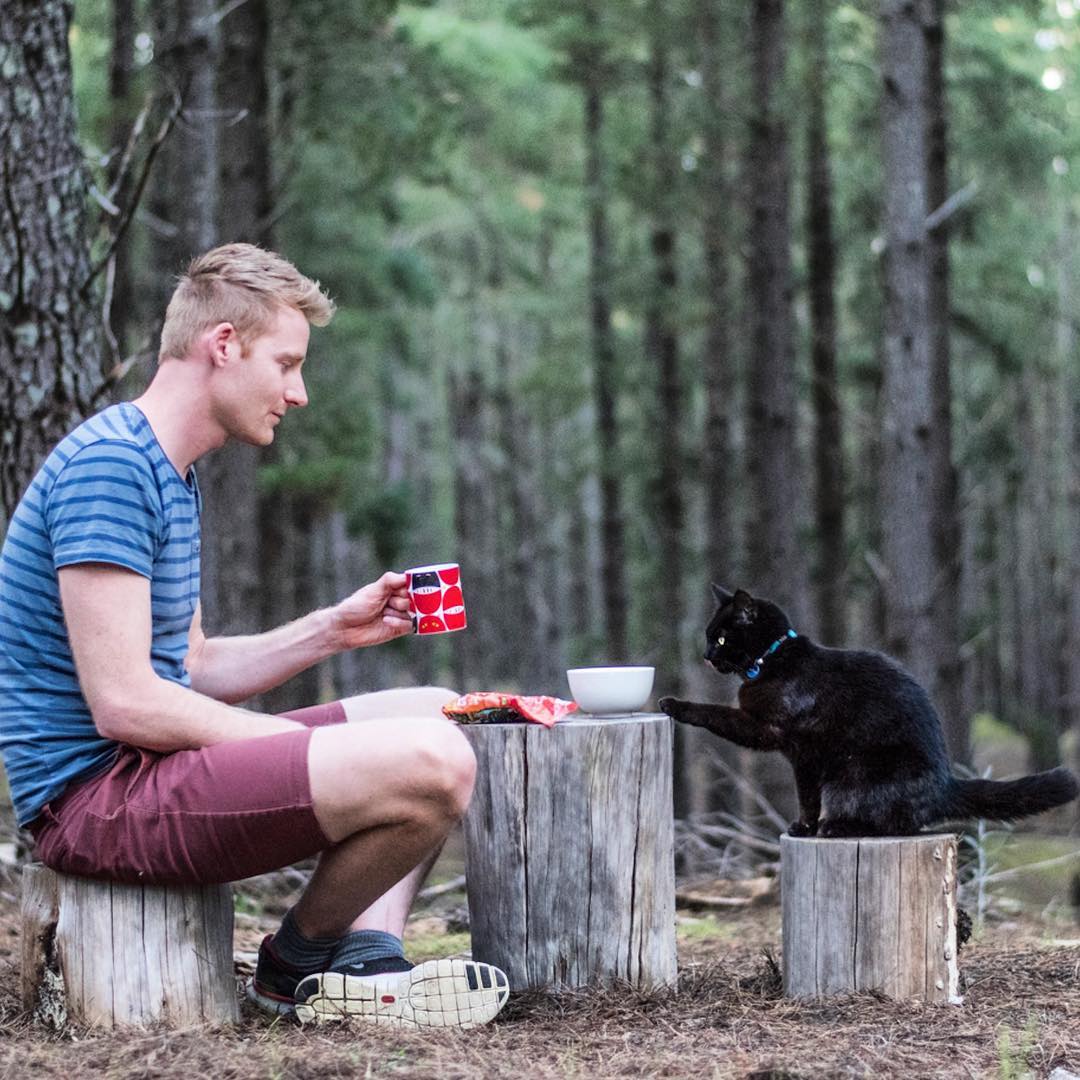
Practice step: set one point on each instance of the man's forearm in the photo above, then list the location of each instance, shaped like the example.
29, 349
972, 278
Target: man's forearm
233, 669
165, 716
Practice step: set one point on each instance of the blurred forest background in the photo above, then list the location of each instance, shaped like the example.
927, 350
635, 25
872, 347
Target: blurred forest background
633, 296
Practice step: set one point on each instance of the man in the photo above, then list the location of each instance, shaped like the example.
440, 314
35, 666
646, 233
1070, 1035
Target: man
125, 754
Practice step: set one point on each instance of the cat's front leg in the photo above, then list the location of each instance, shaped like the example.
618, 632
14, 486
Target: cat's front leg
808, 787
729, 723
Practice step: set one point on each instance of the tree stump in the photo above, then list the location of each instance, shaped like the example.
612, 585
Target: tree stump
112, 955
870, 914
569, 845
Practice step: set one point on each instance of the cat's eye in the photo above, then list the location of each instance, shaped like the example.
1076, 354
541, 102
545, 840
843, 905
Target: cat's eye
720, 641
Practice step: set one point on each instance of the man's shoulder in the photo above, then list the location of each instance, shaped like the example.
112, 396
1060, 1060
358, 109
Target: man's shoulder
115, 440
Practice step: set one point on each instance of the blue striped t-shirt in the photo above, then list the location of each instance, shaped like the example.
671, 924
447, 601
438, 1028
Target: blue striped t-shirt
106, 494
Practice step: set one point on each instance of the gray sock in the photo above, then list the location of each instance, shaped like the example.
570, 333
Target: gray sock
307, 955
362, 946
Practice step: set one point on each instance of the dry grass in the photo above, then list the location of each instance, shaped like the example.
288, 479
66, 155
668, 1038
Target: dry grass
1021, 1016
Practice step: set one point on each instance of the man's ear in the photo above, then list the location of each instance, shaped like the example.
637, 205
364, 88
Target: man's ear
722, 596
222, 338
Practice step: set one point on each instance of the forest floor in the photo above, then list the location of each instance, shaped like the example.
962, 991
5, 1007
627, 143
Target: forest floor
1020, 1015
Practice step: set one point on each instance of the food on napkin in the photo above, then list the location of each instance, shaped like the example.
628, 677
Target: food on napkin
494, 708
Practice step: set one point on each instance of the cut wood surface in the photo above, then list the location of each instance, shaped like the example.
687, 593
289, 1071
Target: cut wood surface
570, 852
112, 955
870, 914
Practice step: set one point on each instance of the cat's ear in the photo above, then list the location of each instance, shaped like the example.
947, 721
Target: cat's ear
722, 596
745, 608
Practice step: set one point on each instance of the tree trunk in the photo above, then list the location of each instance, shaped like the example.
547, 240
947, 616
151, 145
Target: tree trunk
1070, 396
829, 493
233, 567
605, 370
122, 301
908, 458
1037, 692
774, 470
773, 467
187, 56
300, 517
467, 396
719, 374
50, 358
945, 689
662, 355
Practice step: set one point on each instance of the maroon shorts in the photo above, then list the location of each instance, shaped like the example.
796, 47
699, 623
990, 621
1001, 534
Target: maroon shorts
217, 814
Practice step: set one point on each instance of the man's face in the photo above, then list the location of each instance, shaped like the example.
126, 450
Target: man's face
256, 389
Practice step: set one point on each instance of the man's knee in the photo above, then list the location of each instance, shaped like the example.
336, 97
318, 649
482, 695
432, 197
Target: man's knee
447, 766
385, 771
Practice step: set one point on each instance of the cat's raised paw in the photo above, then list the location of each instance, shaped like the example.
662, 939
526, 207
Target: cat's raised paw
671, 706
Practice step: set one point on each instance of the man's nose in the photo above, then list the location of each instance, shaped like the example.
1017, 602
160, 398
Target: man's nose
296, 392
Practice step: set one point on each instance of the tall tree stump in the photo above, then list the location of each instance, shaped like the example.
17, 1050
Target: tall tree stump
111, 955
870, 914
569, 845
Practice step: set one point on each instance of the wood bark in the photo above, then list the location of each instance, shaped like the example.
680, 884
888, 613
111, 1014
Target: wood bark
605, 361
773, 467
569, 852
829, 472
945, 524
50, 343
870, 915
111, 955
907, 487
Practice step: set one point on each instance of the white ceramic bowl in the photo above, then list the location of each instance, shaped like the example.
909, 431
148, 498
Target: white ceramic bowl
601, 690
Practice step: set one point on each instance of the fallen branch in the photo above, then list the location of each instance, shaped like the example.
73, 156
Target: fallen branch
453, 885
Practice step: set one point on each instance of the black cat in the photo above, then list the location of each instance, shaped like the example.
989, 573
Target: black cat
861, 734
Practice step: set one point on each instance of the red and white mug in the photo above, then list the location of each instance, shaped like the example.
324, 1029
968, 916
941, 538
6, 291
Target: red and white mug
436, 603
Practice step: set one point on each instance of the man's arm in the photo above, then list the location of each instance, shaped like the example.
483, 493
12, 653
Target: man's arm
234, 668
107, 612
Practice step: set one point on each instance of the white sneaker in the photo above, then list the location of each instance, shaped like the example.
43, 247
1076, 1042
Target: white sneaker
452, 993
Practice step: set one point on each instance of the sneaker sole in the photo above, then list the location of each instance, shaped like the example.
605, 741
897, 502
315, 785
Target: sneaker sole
274, 1006
451, 993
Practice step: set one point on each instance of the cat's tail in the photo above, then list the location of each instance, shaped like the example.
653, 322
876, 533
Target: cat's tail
1005, 800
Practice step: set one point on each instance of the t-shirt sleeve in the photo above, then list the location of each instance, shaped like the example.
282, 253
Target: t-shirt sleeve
105, 507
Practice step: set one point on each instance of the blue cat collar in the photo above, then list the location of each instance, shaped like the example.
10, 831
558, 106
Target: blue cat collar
754, 670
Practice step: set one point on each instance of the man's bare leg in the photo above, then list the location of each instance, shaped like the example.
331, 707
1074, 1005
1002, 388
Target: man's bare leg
391, 910
387, 792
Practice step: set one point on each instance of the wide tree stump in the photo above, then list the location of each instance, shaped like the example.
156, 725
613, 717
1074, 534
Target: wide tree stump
570, 852
111, 955
870, 914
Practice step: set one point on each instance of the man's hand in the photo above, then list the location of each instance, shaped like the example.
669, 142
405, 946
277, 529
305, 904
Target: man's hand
376, 613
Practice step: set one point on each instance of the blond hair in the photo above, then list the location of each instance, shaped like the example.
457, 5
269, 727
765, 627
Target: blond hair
240, 284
